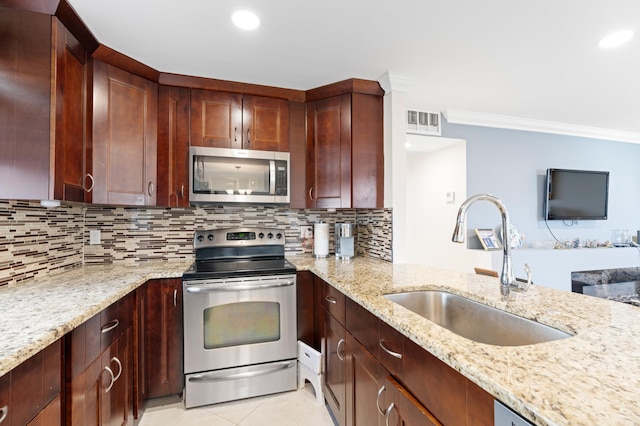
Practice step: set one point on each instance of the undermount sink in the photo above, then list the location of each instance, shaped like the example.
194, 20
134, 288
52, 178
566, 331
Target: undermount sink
474, 320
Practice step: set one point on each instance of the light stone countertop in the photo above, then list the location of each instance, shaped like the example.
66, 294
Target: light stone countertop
35, 314
592, 378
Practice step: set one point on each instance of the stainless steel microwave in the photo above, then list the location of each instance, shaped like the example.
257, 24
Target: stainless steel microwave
222, 175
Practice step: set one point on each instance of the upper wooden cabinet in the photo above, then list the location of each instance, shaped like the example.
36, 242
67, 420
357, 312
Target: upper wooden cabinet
345, 163
125, 118
173, 146
231, 120
72, 169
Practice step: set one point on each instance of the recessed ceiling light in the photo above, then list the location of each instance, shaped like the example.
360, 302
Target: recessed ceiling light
616, 39
245, 20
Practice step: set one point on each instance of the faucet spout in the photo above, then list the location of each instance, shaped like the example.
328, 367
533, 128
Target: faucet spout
507, 280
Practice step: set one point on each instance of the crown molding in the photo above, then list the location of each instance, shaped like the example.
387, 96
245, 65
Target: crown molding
391, 81
456, 116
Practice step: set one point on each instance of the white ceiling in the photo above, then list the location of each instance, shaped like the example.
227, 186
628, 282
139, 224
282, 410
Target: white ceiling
531, 59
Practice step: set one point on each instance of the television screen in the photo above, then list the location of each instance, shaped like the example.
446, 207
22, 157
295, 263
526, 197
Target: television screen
576, 195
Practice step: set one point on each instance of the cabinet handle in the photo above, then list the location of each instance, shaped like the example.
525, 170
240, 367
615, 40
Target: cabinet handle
380, 410
117, 361
182, 191
150, 189
175, 297
109, 326
93, 182
5, 412
340, 342
388, 413
248, 136
331, 300
392, 353
235, 134
310, 193
108, 370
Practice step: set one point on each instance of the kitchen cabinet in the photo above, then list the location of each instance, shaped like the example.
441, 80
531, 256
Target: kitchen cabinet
99, 367
125, 118
43, 114
173, 146
31, 392
72, 179
232, 120
163, 337
345, 148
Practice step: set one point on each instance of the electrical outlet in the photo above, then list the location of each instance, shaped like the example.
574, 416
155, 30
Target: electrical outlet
94, 237
306, 231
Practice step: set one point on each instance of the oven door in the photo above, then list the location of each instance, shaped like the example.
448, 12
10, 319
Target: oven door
236, 322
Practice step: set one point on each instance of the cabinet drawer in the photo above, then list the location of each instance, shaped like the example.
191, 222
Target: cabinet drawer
334, 303
363, 325
391, 344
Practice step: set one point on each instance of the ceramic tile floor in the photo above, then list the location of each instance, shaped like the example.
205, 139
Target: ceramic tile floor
293, 408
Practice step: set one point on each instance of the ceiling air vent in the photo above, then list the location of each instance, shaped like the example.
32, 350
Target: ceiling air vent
423, 123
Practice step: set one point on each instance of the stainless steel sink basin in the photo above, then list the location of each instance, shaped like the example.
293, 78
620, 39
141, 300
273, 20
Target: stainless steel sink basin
474, 320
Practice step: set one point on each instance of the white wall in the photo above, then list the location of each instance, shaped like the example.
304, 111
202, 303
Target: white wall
430, 214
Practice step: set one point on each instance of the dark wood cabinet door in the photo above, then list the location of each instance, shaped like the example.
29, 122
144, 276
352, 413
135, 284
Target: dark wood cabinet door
329, 152
335, 377
125, 111
365, 398
163, 338
70, 103
216, 119
402, 408
305, 307
174, 104
265, 123
25, 66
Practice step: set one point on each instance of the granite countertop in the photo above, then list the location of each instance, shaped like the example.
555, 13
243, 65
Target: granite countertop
589, 379
37, 313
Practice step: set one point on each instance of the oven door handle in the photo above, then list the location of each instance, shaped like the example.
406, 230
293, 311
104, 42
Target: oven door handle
220, 377
213, 288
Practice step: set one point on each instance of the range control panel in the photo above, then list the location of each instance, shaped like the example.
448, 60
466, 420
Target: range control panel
238, 237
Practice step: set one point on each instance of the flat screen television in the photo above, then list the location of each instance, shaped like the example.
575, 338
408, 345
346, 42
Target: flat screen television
576, 195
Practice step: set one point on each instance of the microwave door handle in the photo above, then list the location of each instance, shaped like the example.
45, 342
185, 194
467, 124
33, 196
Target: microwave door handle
272, 177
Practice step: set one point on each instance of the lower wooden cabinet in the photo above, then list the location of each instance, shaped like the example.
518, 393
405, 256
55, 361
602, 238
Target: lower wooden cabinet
335, 368
31, 392
375, 376
99, 368
163, 336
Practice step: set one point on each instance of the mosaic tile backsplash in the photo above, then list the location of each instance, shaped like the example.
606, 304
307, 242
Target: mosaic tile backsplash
35, 240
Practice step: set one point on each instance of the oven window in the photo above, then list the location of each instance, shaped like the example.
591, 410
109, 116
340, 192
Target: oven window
241, 323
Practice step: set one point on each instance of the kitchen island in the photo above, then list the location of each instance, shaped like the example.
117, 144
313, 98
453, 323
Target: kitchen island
587, 379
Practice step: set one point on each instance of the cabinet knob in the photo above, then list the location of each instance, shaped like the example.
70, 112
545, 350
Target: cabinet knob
93, 182
390, 352
380, 410
311, 193
150, 189
113, 380
388, 413
340, 342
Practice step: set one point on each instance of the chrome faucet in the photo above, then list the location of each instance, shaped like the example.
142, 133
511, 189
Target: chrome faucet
507, 280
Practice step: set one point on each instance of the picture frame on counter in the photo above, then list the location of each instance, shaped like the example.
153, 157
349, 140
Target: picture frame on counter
488, 239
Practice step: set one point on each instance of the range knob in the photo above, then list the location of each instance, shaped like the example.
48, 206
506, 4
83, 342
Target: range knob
201, 238
210, 237
270, 235
261, 235
278, 235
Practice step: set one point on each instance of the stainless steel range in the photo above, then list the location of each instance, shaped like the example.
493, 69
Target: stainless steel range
239, 316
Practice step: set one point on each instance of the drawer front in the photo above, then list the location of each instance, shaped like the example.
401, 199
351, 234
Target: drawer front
111, 326
391, 345
334, 303
363, 325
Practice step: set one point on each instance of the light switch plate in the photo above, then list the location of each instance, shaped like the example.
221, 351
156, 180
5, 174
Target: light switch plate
94, 237
451, 197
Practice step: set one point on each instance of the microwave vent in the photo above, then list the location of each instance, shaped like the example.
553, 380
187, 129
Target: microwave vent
423, 122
